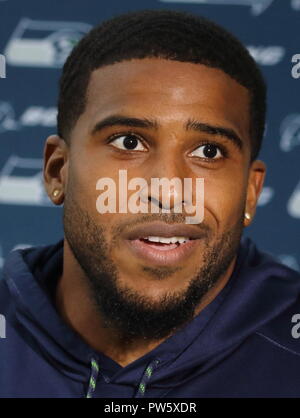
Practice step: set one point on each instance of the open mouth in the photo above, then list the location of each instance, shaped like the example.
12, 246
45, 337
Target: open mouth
161, 250
164, 244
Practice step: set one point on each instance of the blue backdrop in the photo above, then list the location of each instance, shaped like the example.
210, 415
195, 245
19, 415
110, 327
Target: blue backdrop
35, 38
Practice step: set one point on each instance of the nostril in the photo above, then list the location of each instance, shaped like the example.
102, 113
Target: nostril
150, 199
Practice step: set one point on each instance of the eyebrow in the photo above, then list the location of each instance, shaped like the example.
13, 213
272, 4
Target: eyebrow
191, 124
215, 130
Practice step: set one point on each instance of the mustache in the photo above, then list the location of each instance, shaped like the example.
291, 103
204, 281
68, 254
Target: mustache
168, 218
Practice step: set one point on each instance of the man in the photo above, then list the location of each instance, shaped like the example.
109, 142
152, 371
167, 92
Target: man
143, 303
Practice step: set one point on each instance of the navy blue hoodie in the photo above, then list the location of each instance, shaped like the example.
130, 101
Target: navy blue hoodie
240, 345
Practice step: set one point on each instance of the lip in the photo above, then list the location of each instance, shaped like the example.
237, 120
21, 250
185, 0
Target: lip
162, 229
161, 257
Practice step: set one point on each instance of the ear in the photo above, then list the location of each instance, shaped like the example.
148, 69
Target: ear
56, 153
257, 173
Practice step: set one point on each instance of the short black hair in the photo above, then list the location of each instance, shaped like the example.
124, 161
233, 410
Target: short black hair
168, 34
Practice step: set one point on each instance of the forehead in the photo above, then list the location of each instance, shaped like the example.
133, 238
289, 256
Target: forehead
168, 90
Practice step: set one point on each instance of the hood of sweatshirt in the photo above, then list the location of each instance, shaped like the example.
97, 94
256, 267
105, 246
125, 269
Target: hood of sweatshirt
39, 342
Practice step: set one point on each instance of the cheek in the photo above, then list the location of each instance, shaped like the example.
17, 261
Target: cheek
84, 182
84, 174
224, 199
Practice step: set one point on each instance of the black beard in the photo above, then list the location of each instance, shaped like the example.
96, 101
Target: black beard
129, 314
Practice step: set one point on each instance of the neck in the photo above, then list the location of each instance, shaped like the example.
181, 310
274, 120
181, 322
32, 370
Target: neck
73, 292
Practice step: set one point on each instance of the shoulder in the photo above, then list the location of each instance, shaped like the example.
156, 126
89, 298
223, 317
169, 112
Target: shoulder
283, 331
272, 296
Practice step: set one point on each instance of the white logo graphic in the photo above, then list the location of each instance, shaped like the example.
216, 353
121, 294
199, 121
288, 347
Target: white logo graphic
38, 43
21, 247
266, 196
2, 66
290, 261
38, 115
257, 6
267, 55
32, 116
1, 257
138, 202
296, 328
17, 189
290, 132
2, 326
7, 118
293, 205
296, 68
295, 4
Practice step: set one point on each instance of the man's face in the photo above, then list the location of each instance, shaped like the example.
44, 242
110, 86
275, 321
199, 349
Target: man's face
170, 94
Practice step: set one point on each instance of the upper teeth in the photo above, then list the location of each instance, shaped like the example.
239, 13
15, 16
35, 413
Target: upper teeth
171, 240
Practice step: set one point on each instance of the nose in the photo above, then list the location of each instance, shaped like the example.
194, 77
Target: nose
165, 187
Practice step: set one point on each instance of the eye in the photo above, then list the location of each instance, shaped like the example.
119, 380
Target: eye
209, 151
127, 142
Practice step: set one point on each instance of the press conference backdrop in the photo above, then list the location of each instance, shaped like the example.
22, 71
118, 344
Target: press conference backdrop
35, 38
